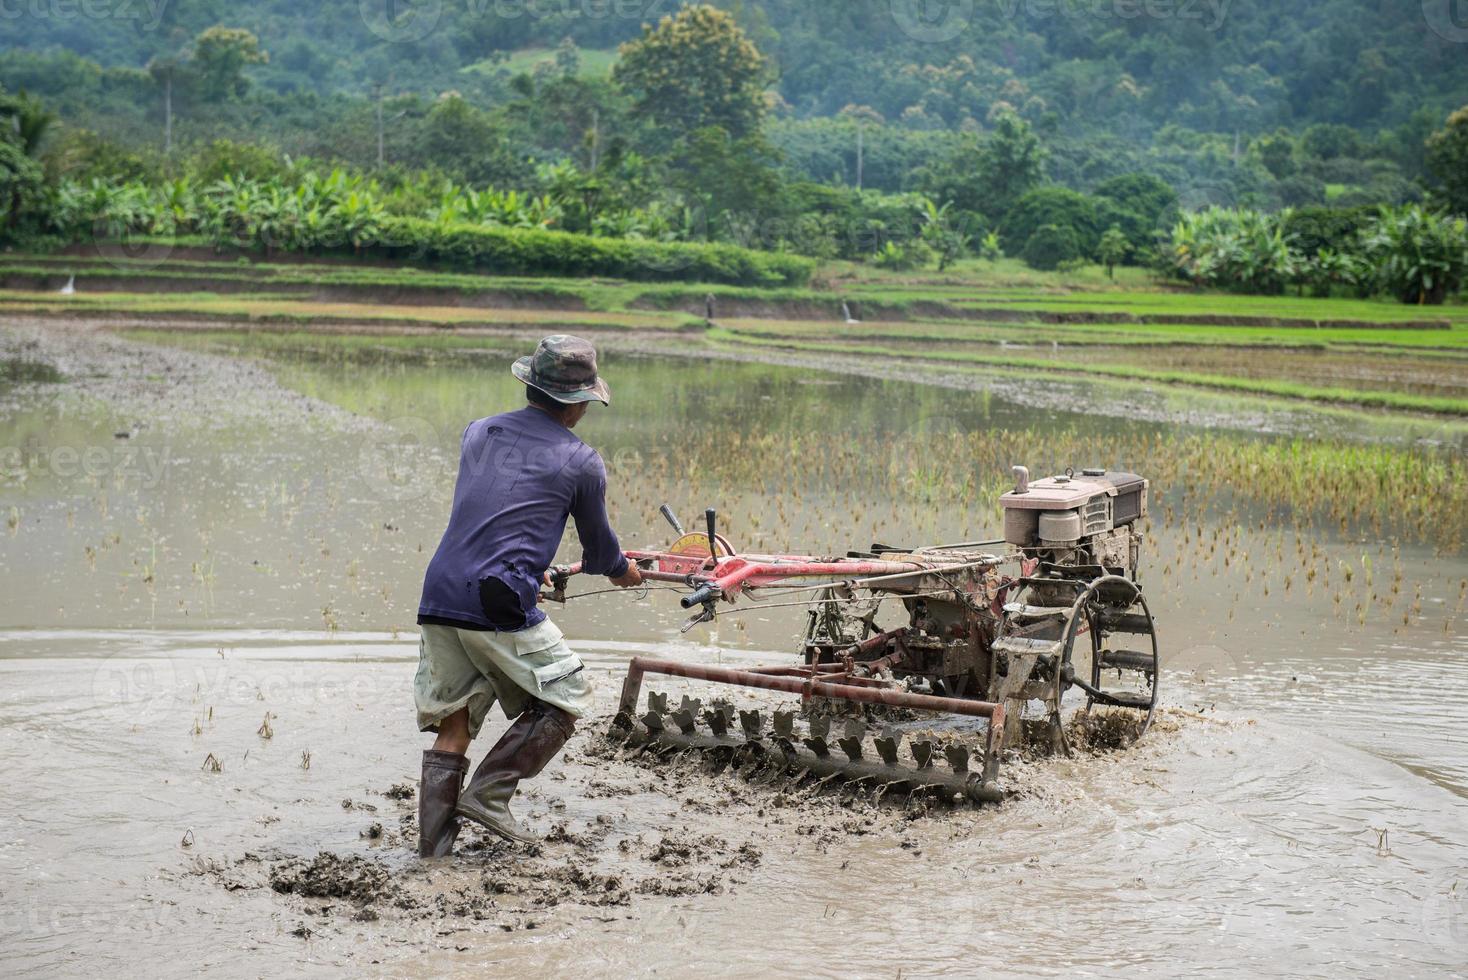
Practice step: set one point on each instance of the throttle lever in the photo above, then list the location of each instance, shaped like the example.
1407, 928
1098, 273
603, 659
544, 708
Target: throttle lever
672, 519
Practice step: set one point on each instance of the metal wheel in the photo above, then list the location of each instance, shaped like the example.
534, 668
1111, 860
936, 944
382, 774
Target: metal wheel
1036, 635
1113, 606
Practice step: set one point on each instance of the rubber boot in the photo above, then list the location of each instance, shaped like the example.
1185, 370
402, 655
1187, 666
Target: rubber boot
522, 752
438, 795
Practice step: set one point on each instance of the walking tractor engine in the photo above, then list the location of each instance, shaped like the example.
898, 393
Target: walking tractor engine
917, 666
1070, 520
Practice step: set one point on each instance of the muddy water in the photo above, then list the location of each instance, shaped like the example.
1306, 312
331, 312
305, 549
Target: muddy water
250, 551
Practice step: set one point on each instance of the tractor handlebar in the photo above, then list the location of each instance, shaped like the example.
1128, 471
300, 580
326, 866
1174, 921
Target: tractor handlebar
704, 593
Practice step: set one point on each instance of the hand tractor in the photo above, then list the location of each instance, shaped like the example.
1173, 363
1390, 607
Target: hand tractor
981, 629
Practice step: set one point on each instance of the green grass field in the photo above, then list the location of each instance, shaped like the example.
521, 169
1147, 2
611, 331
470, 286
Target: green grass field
978, 316
986, 360
1452, 341
930, 298
267, 308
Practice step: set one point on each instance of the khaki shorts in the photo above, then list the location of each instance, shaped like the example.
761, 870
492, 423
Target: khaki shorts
473, 669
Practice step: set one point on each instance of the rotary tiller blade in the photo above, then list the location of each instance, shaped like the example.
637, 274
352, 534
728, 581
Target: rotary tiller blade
753, 724
784, 724
957, 757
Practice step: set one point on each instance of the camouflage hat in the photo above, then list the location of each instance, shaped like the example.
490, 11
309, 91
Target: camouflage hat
563, 367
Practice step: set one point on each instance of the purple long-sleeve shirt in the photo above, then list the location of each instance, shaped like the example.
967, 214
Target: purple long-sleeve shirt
521, 474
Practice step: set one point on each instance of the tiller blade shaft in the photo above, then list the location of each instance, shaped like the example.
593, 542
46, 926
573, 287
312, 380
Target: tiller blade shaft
848, 753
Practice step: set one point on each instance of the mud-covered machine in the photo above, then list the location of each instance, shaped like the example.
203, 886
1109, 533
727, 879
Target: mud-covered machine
987, 629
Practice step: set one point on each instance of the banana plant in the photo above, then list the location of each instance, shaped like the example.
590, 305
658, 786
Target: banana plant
990, 248
359, 219
622, 224
1237, 249
304, 209
939, 233
176, 207
1420, 256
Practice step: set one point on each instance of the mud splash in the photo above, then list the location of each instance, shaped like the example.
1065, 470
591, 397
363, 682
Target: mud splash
598, 863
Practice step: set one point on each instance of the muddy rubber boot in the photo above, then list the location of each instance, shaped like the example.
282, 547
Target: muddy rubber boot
521, 753
438, 795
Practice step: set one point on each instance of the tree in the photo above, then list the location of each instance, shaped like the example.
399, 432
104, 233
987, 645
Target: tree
24, 123
1051, 245
1149, 196
951, 178
1301, 191
165, 72
578, 194
940, 235
1315, 229
1328, 268
84, 156
462, 139
22, 182
568, 58
1011, 162
1330, 141
861, 116
696, 69
1142, 205
991, 249
1447, 160
221, 55
27, 120
1239, 249
1406, 142
1054, 205
225, 158
1419, 257
1277, 154
1113, 249
726, 178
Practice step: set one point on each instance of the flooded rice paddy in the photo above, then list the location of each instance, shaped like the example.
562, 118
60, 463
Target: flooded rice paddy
212, 552
1393, 371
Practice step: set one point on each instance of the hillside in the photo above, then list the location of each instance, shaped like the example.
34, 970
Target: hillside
1100, 65
1234, 148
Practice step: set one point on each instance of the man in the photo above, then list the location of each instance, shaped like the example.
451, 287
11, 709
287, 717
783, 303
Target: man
521, 474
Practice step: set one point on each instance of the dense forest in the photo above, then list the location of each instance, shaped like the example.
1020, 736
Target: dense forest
1122, 66
898, 131
1182, 88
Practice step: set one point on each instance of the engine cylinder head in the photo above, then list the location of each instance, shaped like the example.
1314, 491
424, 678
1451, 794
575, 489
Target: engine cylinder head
1059, 527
